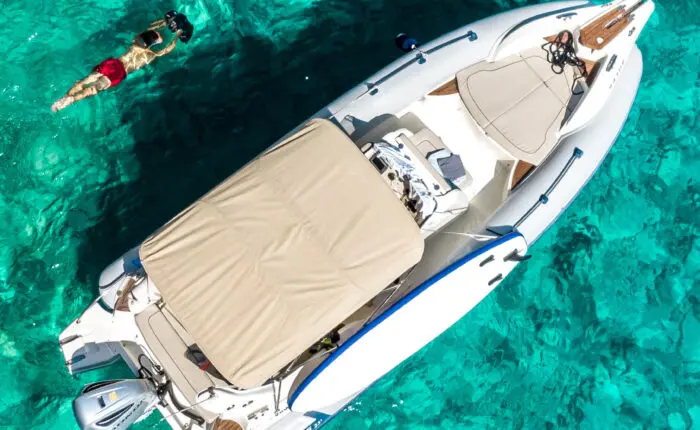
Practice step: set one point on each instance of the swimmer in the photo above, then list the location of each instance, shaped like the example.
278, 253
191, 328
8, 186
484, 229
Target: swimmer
112, 71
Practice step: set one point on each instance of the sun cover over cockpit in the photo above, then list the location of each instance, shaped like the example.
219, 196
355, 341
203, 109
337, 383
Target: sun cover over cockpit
280, 253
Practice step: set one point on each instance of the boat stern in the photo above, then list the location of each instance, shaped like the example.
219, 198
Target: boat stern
96, 338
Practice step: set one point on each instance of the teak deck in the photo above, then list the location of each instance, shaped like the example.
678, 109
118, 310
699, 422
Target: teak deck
522, 169
446, 89
591, 33
122, 303
220, 424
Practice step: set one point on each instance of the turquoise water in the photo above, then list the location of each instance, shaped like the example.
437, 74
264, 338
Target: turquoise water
601, 329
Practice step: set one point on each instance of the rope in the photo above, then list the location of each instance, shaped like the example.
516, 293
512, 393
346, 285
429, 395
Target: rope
149, 371
194, 405
475, 236
276, 395
561, 52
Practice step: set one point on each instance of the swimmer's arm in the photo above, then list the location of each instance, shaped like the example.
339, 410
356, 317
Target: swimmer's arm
155, 25
168, 49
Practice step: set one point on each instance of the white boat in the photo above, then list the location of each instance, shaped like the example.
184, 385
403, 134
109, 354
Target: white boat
367, 231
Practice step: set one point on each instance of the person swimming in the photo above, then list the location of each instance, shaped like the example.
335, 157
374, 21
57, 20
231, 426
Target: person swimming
112, 71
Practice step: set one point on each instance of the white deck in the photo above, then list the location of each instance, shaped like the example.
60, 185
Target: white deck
448, 118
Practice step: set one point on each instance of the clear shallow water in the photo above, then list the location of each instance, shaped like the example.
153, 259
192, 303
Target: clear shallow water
601, 329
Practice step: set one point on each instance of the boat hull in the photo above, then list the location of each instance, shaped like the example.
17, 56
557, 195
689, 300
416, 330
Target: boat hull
409, 325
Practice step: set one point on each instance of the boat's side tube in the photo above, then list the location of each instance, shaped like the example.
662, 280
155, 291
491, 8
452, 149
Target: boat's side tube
412, 75
539, 201
408, 325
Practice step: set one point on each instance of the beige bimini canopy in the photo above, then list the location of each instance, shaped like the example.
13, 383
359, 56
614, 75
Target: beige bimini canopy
280, 253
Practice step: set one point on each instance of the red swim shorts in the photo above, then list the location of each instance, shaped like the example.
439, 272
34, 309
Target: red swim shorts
113, 69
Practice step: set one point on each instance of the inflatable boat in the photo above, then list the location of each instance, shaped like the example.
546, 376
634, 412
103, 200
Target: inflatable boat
356, 239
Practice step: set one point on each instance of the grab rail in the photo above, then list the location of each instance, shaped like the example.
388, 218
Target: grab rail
544, 198
420, 58
561, 13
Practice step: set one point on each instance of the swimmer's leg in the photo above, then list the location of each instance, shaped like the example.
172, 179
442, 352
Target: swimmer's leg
80, 85
101, 84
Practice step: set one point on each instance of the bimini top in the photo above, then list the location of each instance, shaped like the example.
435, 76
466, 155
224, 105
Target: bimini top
276, 256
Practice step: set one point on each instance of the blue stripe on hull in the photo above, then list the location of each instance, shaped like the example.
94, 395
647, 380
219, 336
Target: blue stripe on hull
398, 305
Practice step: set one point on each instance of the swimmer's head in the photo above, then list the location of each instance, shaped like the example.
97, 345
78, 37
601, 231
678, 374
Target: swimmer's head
148, 38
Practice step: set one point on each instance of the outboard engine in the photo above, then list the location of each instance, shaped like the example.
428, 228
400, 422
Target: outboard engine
114, 405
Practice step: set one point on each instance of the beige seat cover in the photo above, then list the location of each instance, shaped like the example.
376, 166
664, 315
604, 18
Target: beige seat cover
169, 342
276, 256
519, 102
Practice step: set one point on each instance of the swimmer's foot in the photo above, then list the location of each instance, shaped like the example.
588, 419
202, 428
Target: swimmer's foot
62, 103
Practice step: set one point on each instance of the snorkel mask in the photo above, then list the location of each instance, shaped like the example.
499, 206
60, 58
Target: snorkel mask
177, 21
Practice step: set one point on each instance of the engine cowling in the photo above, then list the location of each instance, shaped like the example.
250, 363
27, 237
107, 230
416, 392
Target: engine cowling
114, 405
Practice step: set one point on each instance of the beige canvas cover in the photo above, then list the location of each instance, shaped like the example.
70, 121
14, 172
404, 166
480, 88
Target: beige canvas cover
276, 256
519, 102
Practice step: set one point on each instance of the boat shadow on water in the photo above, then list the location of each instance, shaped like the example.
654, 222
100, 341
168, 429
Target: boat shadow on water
231, 99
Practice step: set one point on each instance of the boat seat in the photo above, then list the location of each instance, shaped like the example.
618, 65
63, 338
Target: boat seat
427, 142
440, 184
170, 344
519, 102
433, 150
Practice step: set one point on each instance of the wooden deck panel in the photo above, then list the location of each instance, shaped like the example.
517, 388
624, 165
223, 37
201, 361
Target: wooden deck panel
446, 89
591, 33
220, 424
522, 169
122, 303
